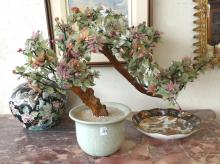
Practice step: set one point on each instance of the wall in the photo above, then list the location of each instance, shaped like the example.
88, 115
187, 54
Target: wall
174, 19
18, 20
111, 86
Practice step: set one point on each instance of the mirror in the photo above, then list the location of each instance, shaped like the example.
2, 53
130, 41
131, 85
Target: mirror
213, 15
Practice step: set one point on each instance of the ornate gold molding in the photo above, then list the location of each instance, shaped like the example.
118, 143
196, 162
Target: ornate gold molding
201, 23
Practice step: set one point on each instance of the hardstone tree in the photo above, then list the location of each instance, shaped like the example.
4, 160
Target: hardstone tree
105, 31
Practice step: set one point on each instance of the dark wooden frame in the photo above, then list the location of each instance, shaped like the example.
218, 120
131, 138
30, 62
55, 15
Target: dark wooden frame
49, 19
150, 13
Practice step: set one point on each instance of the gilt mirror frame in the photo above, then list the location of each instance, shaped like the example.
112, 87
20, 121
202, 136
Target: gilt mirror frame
201, 29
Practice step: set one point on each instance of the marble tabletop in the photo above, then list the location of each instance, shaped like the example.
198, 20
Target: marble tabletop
59, 145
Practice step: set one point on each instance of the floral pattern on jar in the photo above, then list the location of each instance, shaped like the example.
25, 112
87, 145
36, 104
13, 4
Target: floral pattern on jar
37, 111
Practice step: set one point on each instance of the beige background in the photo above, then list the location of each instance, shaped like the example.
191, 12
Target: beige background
172, 17
18, 20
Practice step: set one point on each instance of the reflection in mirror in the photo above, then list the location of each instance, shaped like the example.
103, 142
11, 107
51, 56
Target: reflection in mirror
214, 26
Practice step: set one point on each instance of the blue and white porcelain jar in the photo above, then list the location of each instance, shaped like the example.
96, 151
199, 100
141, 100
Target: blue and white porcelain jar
37, 111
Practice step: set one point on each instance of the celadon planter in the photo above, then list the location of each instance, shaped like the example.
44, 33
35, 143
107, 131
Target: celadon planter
100, 138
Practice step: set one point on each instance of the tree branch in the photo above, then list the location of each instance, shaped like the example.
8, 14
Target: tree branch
121, 69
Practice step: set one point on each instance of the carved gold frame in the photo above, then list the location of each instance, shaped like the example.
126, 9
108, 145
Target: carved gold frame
201, 22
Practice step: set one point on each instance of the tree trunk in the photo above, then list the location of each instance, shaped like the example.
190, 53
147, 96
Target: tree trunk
91, 101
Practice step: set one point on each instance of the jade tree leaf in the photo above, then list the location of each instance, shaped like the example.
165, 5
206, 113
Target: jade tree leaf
20, 69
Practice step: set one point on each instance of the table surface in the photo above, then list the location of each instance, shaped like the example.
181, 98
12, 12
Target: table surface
59, 145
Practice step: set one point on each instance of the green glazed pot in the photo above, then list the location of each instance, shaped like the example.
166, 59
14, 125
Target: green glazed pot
100, 138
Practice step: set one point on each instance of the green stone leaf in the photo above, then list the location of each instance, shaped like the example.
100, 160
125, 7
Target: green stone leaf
83, 88
49, 89
20, 69
87, 58
163, 92
86, 83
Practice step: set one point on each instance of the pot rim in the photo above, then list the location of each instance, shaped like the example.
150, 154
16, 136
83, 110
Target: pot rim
126, 110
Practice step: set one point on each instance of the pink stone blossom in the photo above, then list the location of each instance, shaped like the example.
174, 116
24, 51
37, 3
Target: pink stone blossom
152, 89
171, 86
61, 37
20, 50
95, 44
35, 35
73, 54
63, 70
187, 58
52, 41
56, 104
